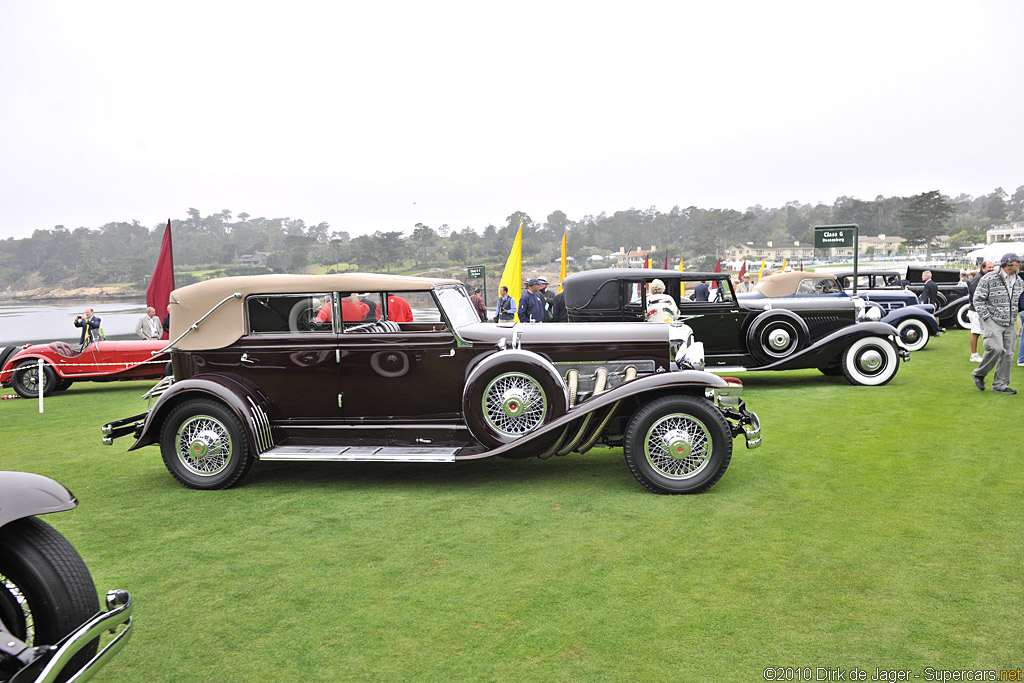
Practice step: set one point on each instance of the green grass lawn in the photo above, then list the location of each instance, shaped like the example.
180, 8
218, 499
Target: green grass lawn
875, 527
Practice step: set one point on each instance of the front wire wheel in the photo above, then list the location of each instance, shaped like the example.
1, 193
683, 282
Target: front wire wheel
514, 404
204, 445
25, 379
678, 444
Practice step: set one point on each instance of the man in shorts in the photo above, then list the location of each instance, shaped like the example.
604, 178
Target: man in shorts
972, 314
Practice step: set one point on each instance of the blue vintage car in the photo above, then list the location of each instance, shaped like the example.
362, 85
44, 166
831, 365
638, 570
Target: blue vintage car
952, 303
915, 323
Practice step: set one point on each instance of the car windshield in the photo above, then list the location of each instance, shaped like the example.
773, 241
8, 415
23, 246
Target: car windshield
457, 306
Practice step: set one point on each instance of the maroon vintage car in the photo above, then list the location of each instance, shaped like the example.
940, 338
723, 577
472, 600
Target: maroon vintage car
64, 364
357, 367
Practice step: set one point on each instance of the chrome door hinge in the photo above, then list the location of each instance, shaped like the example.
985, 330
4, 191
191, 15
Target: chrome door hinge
339, 399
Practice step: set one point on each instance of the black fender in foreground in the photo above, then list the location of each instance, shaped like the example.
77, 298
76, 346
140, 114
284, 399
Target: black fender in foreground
23, 494
231, 393
829, 350
947, 314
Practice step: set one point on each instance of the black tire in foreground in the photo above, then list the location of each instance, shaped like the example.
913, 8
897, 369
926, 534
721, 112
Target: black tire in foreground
26, 379
45, 588
204, 445
678, 444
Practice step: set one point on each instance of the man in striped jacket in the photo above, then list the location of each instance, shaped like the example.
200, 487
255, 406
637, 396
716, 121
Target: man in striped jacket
995, 300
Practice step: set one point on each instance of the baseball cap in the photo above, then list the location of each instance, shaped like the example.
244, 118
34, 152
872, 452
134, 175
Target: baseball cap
541, 281
532, 281
1007, 258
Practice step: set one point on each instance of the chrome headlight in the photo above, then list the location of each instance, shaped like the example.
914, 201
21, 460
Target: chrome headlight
873, 313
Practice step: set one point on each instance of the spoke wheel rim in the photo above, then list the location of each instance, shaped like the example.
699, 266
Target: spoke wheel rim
678, 446
16, 611
203, 445
514, 404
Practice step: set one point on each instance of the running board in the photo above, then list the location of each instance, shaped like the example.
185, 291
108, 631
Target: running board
359, 453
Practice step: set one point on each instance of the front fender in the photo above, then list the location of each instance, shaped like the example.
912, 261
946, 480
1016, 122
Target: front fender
829, 350
228, 391
898, 315
23, 495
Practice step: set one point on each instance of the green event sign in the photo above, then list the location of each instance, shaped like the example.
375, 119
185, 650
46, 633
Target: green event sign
828, 236
475, 272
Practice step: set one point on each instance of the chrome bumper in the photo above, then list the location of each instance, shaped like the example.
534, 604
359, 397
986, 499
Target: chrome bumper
124, 427
741, 420
48, 663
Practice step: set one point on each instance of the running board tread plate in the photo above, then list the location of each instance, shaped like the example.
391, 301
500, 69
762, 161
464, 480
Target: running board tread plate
360, 453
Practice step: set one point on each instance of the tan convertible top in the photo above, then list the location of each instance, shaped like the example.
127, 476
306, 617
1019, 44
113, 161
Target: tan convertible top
785, 284
227, 323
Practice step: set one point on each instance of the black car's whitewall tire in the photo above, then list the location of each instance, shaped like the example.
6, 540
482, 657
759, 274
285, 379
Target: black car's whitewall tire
870, 361
963, 320
204, 445
912, 334
678, 444
775, 335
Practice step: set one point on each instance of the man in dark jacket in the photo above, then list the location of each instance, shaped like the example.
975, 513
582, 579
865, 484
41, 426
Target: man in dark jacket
701, 292
90, 325
559, 313
995, 300
531, 305
930, 293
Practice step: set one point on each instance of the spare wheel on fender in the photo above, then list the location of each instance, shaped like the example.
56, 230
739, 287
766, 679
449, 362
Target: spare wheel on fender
511, 394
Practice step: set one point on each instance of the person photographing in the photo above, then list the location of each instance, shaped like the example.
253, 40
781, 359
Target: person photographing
90, 325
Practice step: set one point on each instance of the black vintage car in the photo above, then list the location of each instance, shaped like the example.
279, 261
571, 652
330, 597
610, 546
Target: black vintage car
765, 330
399, 369
952, 305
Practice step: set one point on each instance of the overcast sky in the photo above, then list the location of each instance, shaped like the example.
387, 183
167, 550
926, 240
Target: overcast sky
376, 116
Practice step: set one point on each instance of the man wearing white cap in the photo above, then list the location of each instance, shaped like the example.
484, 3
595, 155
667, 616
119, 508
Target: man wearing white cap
995, 300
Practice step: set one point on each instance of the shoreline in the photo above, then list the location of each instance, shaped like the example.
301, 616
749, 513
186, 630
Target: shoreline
103, 292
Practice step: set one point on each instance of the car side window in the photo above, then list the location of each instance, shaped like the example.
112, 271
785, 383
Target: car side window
805, 287
415, 307
358, 308
289, 313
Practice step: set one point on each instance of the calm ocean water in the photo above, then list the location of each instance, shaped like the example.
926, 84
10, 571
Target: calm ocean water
36, 321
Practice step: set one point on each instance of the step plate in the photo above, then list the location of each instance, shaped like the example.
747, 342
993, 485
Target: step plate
359, 453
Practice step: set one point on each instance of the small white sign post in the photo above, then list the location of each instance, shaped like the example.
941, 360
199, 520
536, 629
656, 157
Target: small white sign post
39, 369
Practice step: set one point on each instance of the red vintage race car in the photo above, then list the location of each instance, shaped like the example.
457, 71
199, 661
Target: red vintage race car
64, 364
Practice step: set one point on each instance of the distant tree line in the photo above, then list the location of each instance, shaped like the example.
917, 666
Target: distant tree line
118, 253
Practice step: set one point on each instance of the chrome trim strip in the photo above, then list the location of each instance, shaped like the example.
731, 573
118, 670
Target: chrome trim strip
360, 454
120, 605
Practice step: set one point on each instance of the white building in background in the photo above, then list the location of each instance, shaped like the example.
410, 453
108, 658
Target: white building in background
1010, 232
770, 251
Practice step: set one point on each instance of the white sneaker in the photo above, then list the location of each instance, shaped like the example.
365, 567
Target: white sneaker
976, 358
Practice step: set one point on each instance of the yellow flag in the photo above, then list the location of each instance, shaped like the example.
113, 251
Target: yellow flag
561, 272
760, 271
682, 285
784, 261
512, 276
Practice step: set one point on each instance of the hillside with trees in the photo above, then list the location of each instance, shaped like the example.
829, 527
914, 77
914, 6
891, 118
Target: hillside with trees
215, 244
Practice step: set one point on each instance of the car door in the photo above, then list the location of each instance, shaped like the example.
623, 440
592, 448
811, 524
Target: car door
291, 356
405, 367
717, 322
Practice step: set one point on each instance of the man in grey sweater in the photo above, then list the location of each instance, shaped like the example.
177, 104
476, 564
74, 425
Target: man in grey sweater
995, 300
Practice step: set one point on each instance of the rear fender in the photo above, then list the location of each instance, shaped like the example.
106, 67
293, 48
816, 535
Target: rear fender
23, 495
898, 315
251, 412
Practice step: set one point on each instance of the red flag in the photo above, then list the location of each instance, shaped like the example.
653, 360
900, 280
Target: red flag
718, 269
743, 269
801, 266
158, 293
665, 267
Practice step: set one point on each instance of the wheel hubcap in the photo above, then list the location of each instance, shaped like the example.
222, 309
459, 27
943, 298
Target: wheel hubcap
678, 446
203, 445
514, 404
779, 340
871, 361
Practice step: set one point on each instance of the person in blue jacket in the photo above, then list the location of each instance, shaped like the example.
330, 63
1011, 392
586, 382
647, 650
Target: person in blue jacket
531, 305
90, 325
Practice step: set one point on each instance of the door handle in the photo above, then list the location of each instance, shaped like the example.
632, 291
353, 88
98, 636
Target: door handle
248, 361
451, 352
